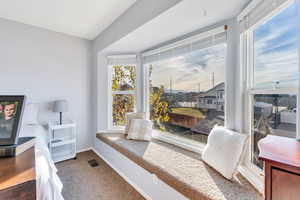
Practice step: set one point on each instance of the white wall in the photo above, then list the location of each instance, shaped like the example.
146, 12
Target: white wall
46, 66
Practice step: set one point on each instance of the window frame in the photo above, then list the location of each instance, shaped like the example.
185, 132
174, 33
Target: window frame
110, 124
247, 64
175, 140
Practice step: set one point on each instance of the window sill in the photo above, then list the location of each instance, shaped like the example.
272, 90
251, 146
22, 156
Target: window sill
179, 142
168, 139
256, 180
112, 130
192, 182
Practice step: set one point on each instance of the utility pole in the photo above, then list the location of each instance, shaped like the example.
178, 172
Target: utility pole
213, 79
171, 86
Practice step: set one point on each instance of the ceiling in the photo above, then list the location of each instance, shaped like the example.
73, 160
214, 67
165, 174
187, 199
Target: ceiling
183, 18
81, 18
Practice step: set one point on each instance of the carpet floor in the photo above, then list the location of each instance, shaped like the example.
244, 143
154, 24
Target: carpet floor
83, 182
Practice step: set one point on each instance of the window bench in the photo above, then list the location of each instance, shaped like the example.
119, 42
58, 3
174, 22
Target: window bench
182, 170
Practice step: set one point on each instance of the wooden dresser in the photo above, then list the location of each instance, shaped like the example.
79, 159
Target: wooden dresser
281, 156
17, 177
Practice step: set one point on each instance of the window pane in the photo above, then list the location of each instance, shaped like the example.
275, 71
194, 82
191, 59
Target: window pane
122, 104
274, 114
276, 50
123, 78
187, 93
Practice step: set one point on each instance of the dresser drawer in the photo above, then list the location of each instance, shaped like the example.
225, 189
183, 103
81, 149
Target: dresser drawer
17, 177
285, 185
281, 156
24, 191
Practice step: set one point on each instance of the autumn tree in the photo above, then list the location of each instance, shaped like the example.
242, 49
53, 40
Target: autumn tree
159, 108
123, 79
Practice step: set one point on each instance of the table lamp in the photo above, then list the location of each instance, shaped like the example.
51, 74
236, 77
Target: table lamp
60, 106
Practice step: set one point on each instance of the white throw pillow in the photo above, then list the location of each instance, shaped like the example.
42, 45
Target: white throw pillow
30, 115
130, 116
140, 129
223, 150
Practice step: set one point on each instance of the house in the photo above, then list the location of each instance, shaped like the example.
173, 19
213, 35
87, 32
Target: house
288, 116
145, 99
213, 99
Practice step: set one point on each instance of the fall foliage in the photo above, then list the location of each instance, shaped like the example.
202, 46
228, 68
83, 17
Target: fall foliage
158, 108
123, 79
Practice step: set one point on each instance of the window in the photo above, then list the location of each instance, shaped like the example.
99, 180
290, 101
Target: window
276, 50
273, 72
123, 91
186, 90
272, 114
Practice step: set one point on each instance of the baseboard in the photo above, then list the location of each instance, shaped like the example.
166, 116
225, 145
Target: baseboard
83, 150
146, 196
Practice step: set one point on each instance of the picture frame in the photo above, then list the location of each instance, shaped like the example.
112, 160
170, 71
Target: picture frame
11, 112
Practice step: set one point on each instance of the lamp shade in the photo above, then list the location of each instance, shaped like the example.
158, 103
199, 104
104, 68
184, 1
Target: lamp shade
60, 106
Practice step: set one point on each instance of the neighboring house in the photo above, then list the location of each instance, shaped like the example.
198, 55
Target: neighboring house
288, 116
186, 104
212, 99
262, 108
266, 109
183, 99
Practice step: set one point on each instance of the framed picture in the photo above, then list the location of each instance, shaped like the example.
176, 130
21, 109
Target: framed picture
11, 110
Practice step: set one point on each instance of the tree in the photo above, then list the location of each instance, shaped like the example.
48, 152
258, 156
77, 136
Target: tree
123, 78
159, 109
122, 104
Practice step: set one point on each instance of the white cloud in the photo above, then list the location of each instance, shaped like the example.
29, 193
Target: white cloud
188, 71
276, 57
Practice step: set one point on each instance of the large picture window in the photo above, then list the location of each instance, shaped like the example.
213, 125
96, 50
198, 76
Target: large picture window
187, 92
273, 76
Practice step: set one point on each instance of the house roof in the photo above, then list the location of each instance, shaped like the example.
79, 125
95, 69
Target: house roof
209, 93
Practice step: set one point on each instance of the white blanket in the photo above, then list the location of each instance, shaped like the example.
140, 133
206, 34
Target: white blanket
49, 186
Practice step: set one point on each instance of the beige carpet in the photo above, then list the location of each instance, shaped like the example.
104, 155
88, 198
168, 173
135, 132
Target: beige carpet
82, 182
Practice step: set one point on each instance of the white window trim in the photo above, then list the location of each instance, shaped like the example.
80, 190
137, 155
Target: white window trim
196, 148
186, 41
248, 9
272, 14
248, 169
111, 93
124, 92
146, 91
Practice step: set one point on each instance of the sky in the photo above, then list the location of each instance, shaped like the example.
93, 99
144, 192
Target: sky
276, 50
275, 59
189, 70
